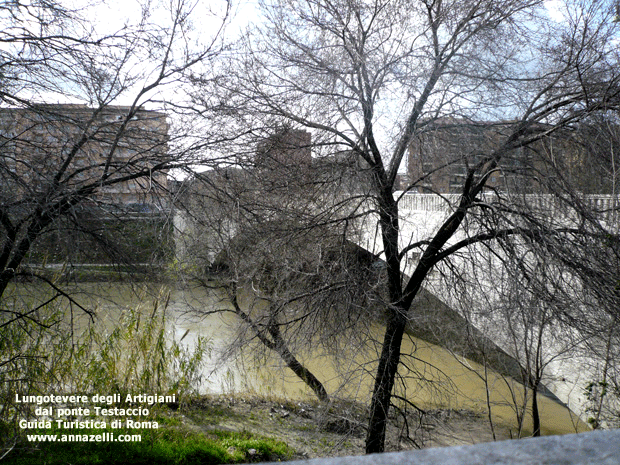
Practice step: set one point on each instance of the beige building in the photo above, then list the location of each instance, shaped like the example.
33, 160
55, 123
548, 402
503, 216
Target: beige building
59, 148
439, 157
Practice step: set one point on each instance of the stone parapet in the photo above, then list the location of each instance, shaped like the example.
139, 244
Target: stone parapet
597, 447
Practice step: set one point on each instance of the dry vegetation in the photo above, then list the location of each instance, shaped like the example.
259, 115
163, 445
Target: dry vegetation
336, 429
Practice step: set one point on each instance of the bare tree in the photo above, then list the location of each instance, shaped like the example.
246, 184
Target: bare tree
83, 123
526, 302
289, 271
84, 134
368, 77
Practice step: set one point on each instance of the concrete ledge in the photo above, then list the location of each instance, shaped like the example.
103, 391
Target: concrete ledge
597, 447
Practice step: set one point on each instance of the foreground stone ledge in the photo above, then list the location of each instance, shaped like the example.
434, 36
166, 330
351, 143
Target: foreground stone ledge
597, 447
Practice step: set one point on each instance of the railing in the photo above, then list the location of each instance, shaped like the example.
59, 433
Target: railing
428, 202
603, 204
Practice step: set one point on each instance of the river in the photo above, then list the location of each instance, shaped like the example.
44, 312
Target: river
435, 379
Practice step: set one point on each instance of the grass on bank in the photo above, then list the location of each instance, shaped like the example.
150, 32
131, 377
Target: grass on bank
164, 446
137, 353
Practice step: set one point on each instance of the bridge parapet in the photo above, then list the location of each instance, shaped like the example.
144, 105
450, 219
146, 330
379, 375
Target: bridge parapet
427, 202
421, 215
604, 204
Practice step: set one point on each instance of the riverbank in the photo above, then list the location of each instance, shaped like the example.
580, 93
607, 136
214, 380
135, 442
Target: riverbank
216, 429
335, 429
448, 388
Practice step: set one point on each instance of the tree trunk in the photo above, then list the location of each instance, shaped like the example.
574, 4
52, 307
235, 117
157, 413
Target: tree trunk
278, 344
5, 278
395, 327
535, 412
384, 382
295, 365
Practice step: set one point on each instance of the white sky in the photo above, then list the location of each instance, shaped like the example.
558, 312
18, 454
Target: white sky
554, 10
109, 16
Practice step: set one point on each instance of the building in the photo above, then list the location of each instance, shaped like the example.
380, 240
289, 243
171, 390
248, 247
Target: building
58, 148
441, 155
281, 185
595, 156
286, 148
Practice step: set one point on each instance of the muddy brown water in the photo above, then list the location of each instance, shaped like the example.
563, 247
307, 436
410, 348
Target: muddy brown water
435, 378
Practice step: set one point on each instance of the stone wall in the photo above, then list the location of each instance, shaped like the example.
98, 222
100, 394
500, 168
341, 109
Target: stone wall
598, 447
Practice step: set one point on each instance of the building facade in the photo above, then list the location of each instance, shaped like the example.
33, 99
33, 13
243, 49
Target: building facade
286, 148
440, 157
53, 148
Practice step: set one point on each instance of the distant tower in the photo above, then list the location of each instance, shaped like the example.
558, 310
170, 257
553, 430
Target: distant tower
287, 148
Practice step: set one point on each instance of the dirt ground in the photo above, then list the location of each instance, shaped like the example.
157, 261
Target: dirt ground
336, 429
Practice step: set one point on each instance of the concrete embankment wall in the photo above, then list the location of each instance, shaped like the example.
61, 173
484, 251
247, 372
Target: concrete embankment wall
598, 447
